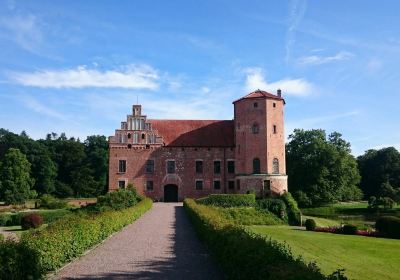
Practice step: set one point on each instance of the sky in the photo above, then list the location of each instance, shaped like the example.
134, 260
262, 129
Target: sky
78, 66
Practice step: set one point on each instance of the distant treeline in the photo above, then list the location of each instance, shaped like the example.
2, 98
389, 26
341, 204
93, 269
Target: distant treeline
61, 166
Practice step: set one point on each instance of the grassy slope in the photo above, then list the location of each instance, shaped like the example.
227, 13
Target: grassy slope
322, 222
362, 257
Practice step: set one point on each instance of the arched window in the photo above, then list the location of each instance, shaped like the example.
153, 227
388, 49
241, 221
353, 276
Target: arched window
256, 166
255, 129
275, 166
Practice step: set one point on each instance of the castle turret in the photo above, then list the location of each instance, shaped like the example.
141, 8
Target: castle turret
260, 143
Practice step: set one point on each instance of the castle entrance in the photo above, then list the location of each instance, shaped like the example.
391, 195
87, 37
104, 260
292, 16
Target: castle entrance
170, 193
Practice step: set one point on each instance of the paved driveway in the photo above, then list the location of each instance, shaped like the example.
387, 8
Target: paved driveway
159, 245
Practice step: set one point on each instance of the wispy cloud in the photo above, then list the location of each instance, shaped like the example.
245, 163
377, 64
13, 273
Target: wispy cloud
128, 76
297, 9
318, 60
24, 30
374, 65
40, 108
255, 79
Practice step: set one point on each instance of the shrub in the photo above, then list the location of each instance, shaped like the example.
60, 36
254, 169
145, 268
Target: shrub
248, 216
349, 229
388, 226
49, 216
244, 254
274, 205
50, 202
117, 200
229, 200
293, 211
31, 221
71, 236
380, 202
310, 224
18, 261
4, 219
1, 238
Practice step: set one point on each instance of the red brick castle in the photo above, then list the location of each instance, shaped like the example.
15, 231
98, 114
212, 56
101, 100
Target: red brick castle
170, 160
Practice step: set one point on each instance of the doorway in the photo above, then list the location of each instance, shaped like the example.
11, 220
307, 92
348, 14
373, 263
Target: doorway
170, 193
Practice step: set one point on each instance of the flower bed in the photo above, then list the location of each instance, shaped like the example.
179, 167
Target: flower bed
339, 230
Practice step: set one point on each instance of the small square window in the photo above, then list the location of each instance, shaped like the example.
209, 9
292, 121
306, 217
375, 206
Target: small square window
267, 185
199, 184
231, 166
255, 129
255, 104
149, 166
170, 166
121, 184
122, 166
231, 185
149, 186
217, 185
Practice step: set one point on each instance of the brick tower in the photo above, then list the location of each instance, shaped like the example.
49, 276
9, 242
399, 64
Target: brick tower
260, 143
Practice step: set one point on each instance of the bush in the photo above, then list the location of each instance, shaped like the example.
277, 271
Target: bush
310, 225
229, 200
49, 216
249, 216
381, 202
68, 238
117, 200
31, 221
388, 226
50, 202
4, 219
349, 229
18, 261
274, 205
293, 211
1, 237
243, 254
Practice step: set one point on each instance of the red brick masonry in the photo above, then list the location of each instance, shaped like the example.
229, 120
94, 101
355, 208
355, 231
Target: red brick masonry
240, 155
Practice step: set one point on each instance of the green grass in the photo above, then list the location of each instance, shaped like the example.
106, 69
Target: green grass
361, 257
248, 216
322, 222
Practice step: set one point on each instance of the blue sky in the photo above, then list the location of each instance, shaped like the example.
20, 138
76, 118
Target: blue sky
78, 66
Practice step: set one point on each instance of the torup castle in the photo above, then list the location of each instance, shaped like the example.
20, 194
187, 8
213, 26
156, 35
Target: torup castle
169, 160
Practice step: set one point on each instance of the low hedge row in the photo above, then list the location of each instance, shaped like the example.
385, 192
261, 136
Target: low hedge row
388, 226
68, 238
274, 205
49, 216
244, 254
229, 200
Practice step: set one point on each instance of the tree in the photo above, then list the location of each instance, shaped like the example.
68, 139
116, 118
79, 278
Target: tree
320, 169
15, 179
380, 172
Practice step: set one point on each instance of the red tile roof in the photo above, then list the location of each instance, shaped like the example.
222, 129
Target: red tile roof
195, 133
260, 94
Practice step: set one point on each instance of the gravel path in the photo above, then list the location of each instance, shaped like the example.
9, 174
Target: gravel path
160, 245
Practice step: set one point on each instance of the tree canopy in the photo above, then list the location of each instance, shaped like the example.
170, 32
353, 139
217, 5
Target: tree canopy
320, 168
15, 179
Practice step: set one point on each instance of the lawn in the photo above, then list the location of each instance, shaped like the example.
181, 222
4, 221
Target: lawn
361, 257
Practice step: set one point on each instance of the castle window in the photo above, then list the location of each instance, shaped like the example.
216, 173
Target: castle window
199, 184
217, 184
143, 136
217, 167
121, 184
129, 136
231, 166
170, 166
267, 185
255, 129
199, 166
231, 185
274, 129
122, 166
256, 166
149, 166
274, 104
149, 186
275, 166
255, 104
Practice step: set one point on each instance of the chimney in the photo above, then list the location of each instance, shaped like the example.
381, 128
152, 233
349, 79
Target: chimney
279, 92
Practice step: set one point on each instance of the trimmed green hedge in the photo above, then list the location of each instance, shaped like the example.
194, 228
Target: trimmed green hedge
274, 205
229, 200
249, 216
70, 237
293, 211
388, 226
244, 254
49, 216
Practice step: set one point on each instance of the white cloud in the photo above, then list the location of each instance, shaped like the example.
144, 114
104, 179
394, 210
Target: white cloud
130, 76
297, 9
255, 80
40, 108
24, 30
318, 60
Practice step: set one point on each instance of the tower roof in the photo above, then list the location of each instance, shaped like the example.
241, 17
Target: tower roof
260, 94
